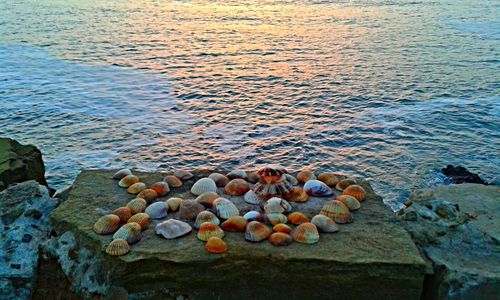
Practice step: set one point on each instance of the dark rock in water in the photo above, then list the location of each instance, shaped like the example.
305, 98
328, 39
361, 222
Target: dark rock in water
461, 175
19, 163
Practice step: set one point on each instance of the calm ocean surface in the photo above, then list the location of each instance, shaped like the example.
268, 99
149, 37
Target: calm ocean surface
391, 91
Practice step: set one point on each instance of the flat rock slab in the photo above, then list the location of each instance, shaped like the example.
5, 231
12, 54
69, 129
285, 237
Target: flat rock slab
372, 258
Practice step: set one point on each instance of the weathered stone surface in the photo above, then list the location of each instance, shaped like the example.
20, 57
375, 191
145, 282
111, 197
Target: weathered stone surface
372, 258
24, 214
457, 228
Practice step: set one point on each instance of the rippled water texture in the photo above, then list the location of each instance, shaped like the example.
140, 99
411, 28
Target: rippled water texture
387, 90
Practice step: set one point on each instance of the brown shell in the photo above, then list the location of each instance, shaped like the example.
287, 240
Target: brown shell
305, 175
253, 177
215, 245
344, 183
173, 181
136, 188
306, 233
351, 202
189, 209
137, 205
206, 216
124, 213
118, 247
142, 219
256, 232
297, 218
279, 239
271, 174
329, 179
128, 180
278, 188
237, 187
107, 224
282, 228
337, 211
207, 199
161, 188
356, 191
219, 179
208, 230
149, 195
296, 195
235, 224
183, 174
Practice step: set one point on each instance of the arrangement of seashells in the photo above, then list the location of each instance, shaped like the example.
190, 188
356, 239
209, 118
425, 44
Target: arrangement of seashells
270, 190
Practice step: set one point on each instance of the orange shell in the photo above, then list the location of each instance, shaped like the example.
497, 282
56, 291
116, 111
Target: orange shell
161, 188
219, 179
124, 213
128, 180
329, 179
149, 195
215, 245
136, 188
356, 191
256, 232
305, 175
235, 224
207, 199
118, 247
107, 224
237, 187
173, 181
142, 219
337, 211
306, 233
344, 184
296, 195
297, 218
280, 239
208, 230
282, 228
137, 205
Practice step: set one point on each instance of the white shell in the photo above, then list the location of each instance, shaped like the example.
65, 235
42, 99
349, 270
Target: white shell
122, 173
157, 210
174, 203
251, 197
252, 216
205, 216
225, 208
131, 232
317, 188
203, 185
292, 180
324, 223
172, 229
277, 205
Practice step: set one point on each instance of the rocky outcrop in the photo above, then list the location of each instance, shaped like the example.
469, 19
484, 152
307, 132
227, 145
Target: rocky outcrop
457, 229
460, 174
19, 163
24, 214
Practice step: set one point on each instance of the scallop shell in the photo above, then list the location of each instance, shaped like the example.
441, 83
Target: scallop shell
253, 177
278, 188
305, 175
219, 179
215, 245
183, 174
282, 228
190, 209
276, 218
149, 195
235, 224
237, 187
225, 208
306, 233
277, 205
128, 180
172, 228
207, 199
317, 188
174, 203
137, 205
297, 194
280, 239
344, 184
122, 173
325, 224
124, 213
356, 191
297, 218
208, 230
157, 210
136, 188
205, 216
349, 201
329, 179
107, 224
161, 188
337, 211
292, 180
203, 185
131, 232
256, 232
118, 247
271, 174
237, 174
251, 197
173, 181
142, 219
253, 216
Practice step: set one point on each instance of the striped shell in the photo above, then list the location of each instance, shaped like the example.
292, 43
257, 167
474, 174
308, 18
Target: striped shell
122, 173
277, 205
205, 216
237, 174
329, 179
356, 191
136, 188
349, 201
305, 175
271, 174
157, 210
276, 218
278, 188
297, 194
124, 213
131, 232
173, 181
207, 199
256, 232
203, 185
137, 205
190, 209
172, 228
142, 219
292, 180
251, 197
118, 247
107, 224
235, 224
149, 195
208, 230
128, 181
253, 216
344, 184
183, 174
215, 245
161, 188
225, 208
306, 233
237, 187
219, 179
325, 224
317, 188
174, 203
297, 218
280, 239
337, 211
282, 228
